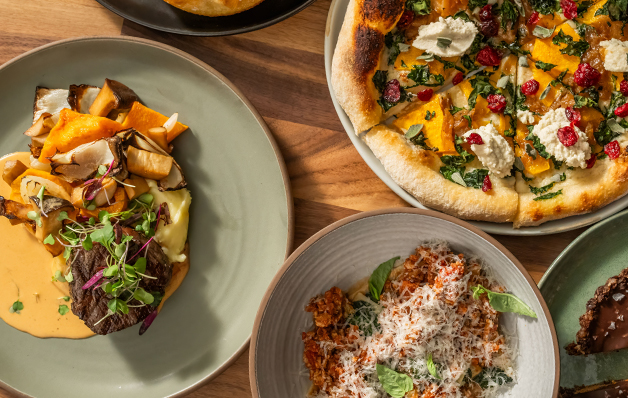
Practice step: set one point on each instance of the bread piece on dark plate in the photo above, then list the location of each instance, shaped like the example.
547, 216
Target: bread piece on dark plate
604, 327
611, 389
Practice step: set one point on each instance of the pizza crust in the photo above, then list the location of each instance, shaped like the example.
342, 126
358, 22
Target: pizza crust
584, 191
417, 171
357, 56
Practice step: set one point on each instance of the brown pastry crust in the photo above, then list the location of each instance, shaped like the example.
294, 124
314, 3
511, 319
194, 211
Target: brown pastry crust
358, 55
584, 337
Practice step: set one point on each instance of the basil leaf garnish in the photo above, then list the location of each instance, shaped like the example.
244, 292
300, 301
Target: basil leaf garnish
379, 276
504, 302
431, 367
395, 384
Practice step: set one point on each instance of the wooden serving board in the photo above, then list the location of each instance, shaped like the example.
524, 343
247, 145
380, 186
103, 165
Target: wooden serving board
281, 70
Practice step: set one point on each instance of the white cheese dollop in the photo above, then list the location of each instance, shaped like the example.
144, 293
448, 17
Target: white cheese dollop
495, 153
547, 131
525, 117
615, 55
460, 33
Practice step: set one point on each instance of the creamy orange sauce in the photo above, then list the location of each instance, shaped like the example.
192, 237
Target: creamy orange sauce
26, 272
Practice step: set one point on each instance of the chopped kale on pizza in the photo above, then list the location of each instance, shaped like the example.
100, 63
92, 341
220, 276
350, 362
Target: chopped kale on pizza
508, 111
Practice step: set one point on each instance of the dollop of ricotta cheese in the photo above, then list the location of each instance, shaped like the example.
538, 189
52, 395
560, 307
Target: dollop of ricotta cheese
525, 117
460, 32
495, 153
615, 55
547, 131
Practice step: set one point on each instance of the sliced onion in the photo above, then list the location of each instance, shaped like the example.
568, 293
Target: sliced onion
93, 280
148, 321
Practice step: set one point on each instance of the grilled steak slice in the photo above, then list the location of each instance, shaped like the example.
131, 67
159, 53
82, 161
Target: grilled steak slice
90, 305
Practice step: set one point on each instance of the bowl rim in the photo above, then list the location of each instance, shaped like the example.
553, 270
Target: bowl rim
401, 210
251, 28
275, 147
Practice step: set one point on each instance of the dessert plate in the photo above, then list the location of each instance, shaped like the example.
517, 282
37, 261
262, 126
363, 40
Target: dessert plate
587, 263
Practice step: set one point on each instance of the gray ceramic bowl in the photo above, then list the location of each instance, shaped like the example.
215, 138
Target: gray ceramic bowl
348, 251
240, 229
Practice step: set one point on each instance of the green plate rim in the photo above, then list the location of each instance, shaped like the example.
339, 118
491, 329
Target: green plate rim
271, 139
585, 235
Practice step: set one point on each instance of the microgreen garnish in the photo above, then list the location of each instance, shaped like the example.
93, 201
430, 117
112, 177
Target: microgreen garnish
50, 240
63, 309
16, 307
65, 298
121, 276
33, 215
58, 277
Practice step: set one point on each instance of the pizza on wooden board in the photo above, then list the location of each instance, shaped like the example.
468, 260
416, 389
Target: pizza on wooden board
491, 110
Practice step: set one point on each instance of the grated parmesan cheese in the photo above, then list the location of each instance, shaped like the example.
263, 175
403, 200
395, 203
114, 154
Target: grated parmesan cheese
440, 318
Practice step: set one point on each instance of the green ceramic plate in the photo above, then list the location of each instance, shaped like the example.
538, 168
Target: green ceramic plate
595, 256
241, 224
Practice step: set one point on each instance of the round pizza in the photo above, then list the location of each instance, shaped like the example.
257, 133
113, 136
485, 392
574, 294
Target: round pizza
491, 110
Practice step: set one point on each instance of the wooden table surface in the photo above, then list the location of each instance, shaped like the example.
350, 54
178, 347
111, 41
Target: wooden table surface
281, 70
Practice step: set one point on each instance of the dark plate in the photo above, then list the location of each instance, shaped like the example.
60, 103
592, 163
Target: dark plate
158, 14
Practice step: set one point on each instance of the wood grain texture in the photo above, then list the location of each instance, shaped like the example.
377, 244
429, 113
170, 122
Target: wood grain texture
281, 70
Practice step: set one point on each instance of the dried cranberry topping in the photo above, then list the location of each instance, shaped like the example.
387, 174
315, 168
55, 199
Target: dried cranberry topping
488, 56
612, 149
591, 161
496, 103
534, 18
489, 28
570, 9
458, 78
623, 87
406, 19
425, 95
392, 91
530, 87
567, 136
622, 111
573, 115
486, 13
475, 139
486, 184
586, 75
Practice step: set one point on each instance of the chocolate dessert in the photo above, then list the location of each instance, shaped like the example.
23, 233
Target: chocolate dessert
604, 327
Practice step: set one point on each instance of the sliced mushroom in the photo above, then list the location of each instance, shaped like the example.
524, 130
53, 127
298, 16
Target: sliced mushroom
174, 181
175, 178
38, 142
148, 164
105, 195
16, 212
135, 186
83, 161
159, 135
12, 170
49, 209
81, 97
36, 164
31, 185
113, 95
42, 126
49, 101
